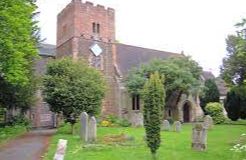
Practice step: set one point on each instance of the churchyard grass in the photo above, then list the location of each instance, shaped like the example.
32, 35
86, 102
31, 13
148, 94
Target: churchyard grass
174, 146
9, 132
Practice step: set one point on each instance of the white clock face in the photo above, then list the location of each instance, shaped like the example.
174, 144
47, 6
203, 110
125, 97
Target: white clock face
96, 49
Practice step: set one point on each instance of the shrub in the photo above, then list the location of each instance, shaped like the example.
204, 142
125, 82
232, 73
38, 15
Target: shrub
215, 110
105, 123
153, 95
235, 103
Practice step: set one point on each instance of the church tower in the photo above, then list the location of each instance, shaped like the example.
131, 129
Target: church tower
88, 31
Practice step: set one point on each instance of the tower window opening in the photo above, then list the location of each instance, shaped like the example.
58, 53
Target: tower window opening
98, 28
94, 27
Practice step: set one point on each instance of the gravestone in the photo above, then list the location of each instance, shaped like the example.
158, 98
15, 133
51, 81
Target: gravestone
199, 137
61, 148
208, 122
177, 126
137, 119
84, 127
166, 125
92, 129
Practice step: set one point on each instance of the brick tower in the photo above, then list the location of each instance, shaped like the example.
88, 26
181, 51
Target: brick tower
88, 31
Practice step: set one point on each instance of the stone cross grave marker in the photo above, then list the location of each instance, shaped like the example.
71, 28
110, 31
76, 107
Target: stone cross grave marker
208, 122
92, 129
61, 148
177, 126
84, 126
199, 137
166, 125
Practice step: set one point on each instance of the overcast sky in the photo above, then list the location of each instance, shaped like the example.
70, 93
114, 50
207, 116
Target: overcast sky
197, 27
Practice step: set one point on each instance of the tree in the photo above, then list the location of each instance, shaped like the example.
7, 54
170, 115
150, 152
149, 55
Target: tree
71, 87
232, 105
235, 103
153, 96
17, 53
210, 93
181, 76
233, 69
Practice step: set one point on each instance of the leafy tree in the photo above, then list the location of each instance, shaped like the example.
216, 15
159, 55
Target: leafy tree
181, 76
233, 70
17, 53
153, 96
210, 93
71, 87
18, 45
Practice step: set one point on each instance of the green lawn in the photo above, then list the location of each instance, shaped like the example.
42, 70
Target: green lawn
10, 132
174, 146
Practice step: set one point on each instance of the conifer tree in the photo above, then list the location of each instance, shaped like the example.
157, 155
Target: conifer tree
154, 99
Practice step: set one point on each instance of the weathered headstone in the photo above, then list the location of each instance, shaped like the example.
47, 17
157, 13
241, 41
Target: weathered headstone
166, 125
199, 137
61, 148
177, 126
92, 129
84, 127
208, 122
137, 119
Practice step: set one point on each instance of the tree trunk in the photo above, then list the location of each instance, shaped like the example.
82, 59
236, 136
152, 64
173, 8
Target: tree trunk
153, 156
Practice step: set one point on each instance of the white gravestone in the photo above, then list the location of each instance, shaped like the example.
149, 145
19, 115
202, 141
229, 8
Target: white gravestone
166, 125
61, 148
177, 126
84, 127
92, 129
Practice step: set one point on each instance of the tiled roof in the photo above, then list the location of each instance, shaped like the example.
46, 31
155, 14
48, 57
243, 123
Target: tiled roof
47, 50
207, 75
219, 82
221, 86
131, 56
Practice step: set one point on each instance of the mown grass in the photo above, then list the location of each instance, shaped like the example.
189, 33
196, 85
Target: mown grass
10, 132
174, 146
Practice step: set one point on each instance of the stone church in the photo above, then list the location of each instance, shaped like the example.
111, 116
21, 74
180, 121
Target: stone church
87, 30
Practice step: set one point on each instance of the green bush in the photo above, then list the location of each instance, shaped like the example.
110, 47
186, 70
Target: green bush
215, 110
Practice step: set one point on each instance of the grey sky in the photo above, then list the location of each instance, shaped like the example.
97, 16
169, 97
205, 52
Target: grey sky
198, 27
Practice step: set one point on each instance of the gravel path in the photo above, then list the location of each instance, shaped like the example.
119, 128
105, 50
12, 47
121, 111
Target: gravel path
30, 146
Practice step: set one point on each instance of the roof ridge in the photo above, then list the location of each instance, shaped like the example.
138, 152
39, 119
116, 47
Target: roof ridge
147, 48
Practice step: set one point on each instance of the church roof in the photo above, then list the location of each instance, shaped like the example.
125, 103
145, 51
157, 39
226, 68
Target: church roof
132, 56
206, 75
221, 86
47, 49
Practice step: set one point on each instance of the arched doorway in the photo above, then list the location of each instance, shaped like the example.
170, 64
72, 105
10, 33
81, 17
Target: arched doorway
186, 111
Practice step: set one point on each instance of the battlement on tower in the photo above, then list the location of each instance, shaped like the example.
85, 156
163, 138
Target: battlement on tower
88, 5
86, 20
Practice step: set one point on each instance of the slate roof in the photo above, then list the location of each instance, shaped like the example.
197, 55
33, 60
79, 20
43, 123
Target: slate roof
47, 49
207, 75
221, 86
131, 56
